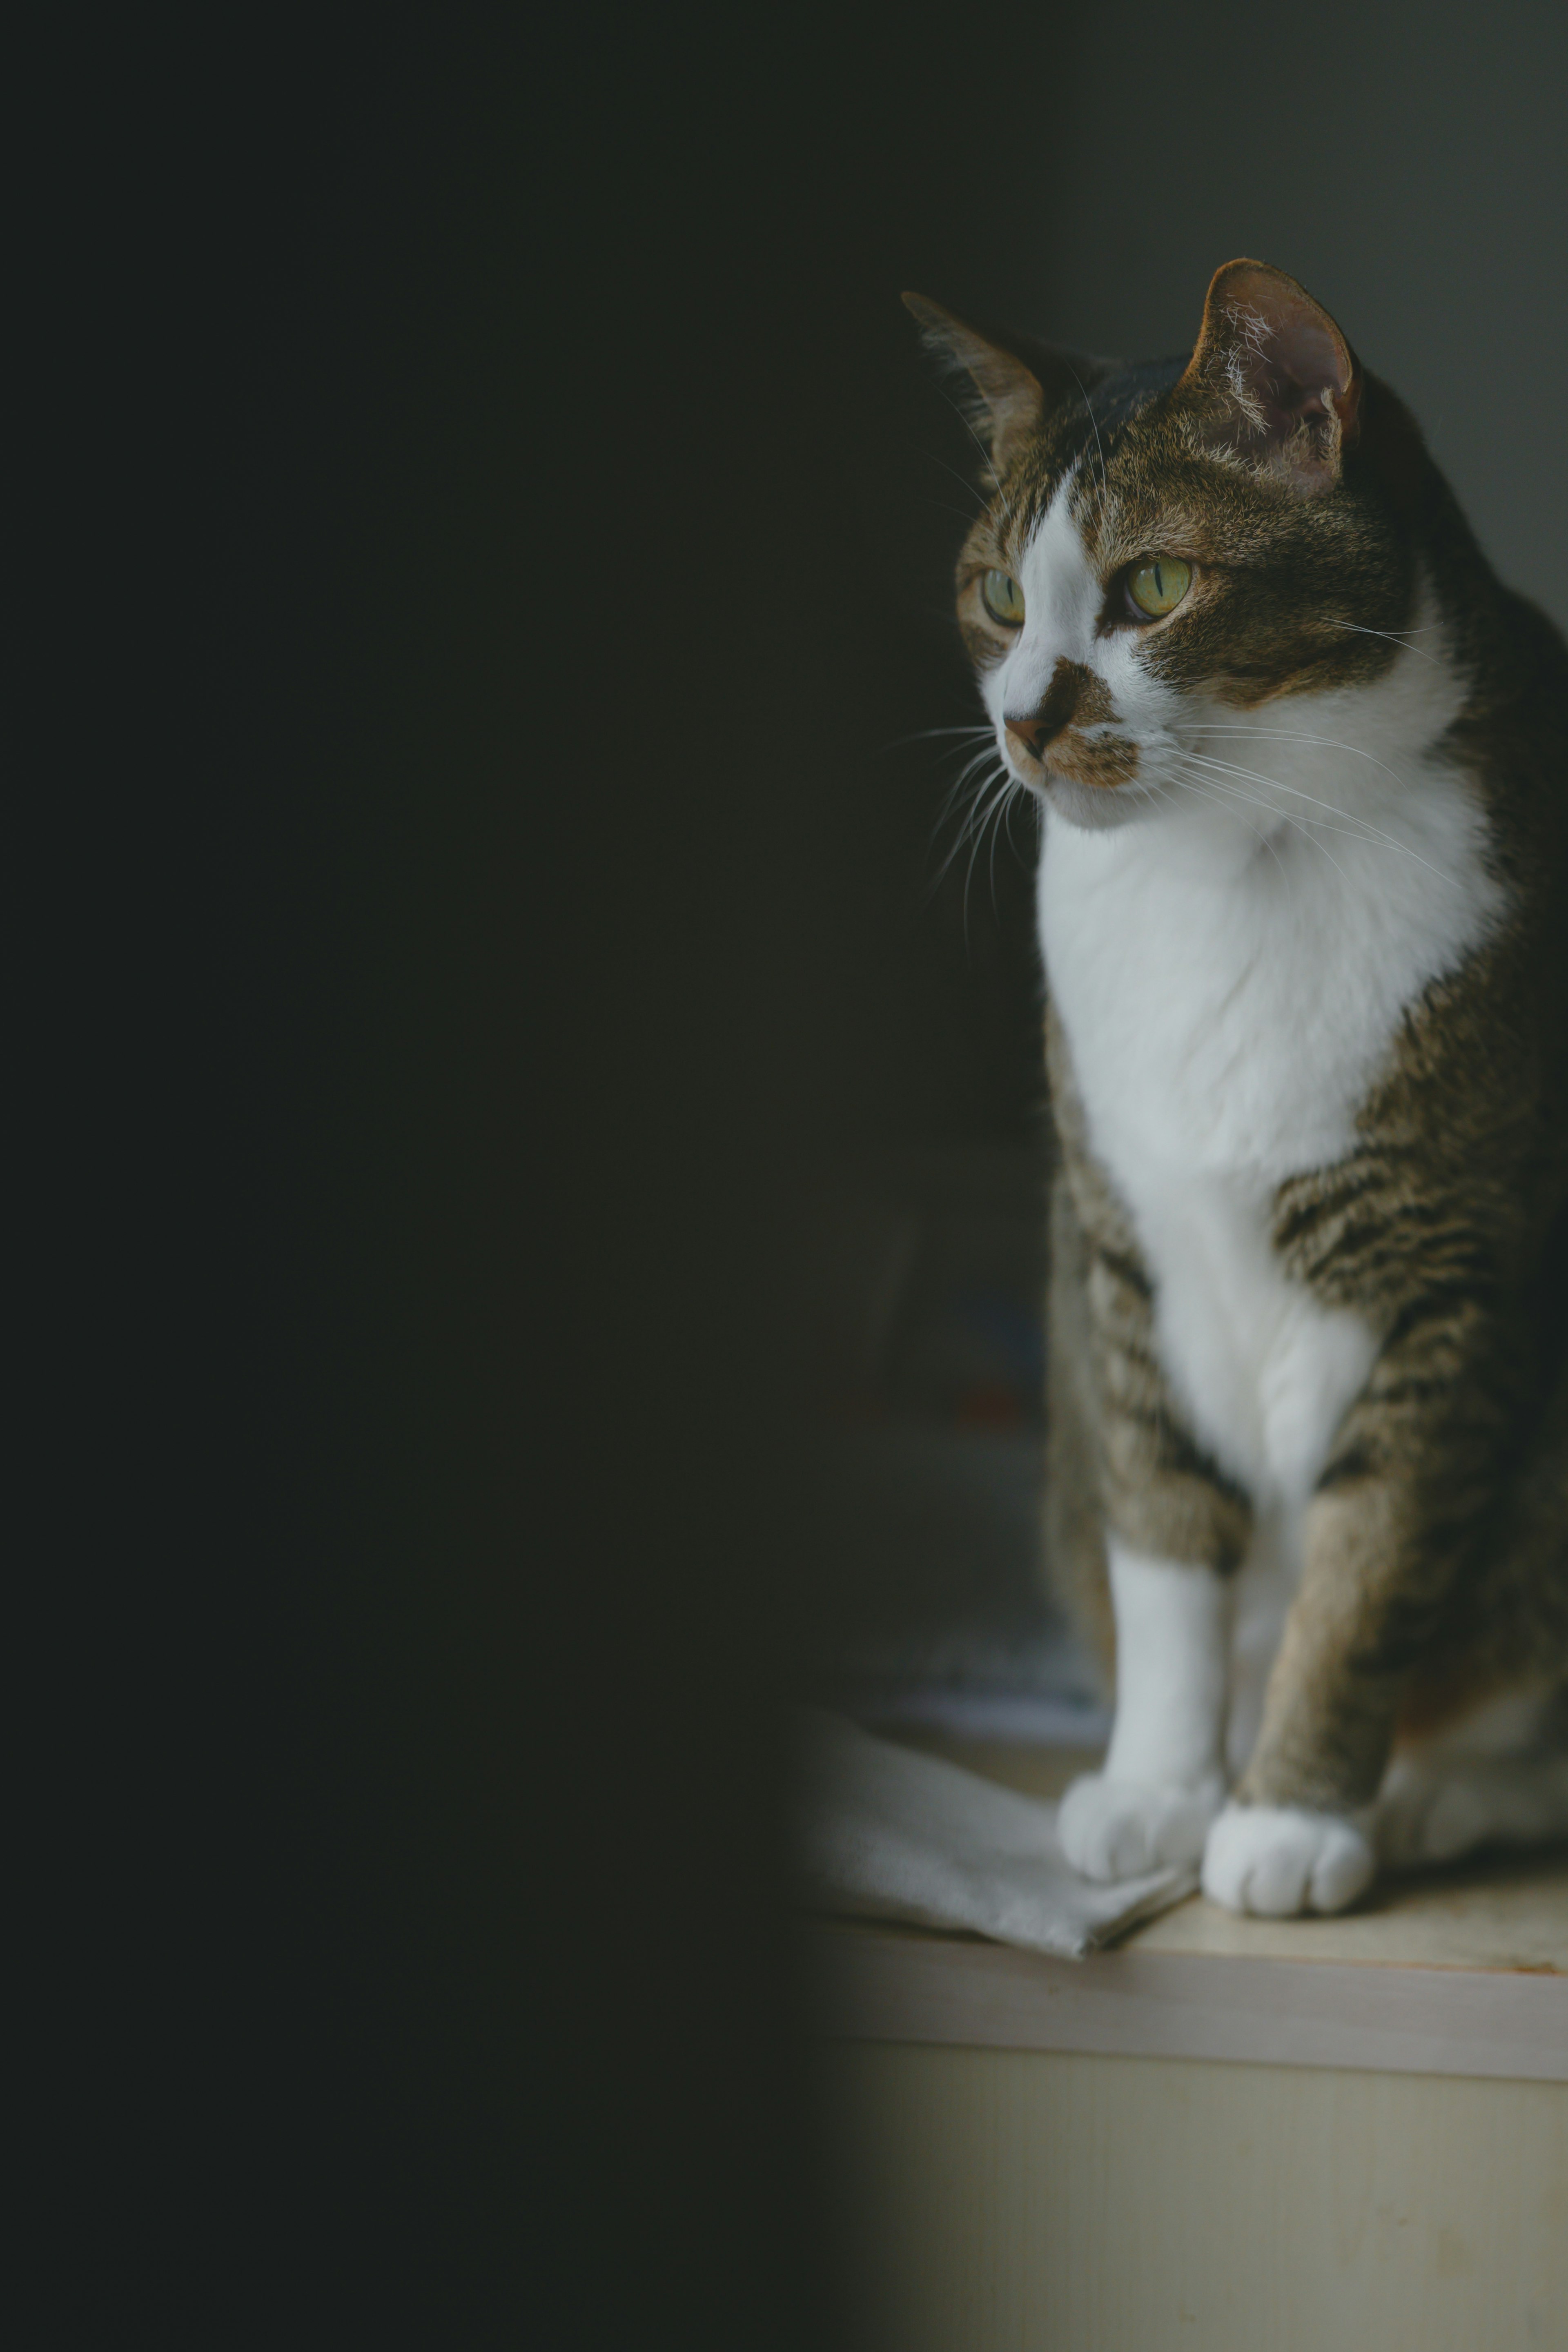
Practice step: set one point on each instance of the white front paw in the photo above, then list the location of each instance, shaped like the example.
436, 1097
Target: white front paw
1277, 1860
1120, 1829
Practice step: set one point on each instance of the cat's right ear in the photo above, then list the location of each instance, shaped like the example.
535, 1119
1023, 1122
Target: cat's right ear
1007, 400
1274, 378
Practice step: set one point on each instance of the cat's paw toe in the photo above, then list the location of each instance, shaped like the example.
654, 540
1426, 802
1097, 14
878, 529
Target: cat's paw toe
1120, 1829
1277, 1861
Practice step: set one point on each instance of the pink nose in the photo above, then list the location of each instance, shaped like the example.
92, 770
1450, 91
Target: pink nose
1035, 733
1031, 731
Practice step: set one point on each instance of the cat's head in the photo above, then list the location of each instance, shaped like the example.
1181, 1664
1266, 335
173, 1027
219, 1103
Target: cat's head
1170, 546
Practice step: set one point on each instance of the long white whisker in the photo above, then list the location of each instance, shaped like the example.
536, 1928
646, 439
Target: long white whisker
1007, 808
1358, 828
1310, 829
1291, 735
1211, 792
1099, 445
939, 506
973, 825
1255, 776
987, 753
963, 834
963, 479
998, 820
995, 801
971, 768
971, 836
971, 433
1394, 639
929, 734
982, 727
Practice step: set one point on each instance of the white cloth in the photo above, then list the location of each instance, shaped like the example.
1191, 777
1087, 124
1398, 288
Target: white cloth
887, 1834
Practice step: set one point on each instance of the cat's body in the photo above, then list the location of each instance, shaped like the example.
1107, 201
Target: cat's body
1303, 899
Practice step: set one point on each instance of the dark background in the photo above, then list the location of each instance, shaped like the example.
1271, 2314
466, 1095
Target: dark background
526, 909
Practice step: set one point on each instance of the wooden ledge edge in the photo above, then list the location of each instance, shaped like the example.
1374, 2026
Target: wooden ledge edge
865, 1985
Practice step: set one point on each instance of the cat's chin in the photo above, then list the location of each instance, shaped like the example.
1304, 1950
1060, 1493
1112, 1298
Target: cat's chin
1092, 808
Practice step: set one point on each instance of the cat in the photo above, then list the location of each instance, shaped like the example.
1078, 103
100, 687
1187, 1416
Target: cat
1302, 768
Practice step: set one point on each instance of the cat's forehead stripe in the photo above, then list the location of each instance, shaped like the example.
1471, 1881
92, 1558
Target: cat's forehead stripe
1057, 556
1077, 474
1089, 446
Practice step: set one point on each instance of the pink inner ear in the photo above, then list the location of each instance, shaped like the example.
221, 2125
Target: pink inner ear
1291, 371
1290, 360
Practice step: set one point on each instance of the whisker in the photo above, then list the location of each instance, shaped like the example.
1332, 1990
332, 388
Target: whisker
1099, 445
1293, 735
1310, 829
1394, 639
1211, 792
929, 734
987, 752
962, 479
939, 506
1358, 828
1009, 806
963, 834
1007, 786
1255, 776
970, 430
982, 727
998, 820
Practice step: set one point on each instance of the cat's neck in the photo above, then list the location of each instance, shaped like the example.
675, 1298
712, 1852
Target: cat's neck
1232, 968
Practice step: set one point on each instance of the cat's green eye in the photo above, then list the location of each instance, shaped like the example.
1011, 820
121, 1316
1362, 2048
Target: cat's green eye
1157, 587
1003, 599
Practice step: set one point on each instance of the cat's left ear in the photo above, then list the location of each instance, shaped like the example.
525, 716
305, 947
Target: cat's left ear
1013, 381
1278, 380
1005, 398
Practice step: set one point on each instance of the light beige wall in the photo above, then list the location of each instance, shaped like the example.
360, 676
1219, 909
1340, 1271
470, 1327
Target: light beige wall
1034, 2202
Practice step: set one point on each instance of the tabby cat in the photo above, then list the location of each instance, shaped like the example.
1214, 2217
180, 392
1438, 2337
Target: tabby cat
1302, 766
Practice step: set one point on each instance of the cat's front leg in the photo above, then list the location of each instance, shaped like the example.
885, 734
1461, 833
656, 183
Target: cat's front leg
1299, 1834
1174, 1528
1164, 1778
1401, 1508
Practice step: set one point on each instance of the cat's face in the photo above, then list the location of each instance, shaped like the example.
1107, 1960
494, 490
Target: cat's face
1170, 548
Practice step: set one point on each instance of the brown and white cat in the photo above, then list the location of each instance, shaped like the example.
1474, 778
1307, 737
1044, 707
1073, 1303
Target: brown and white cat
1302, 763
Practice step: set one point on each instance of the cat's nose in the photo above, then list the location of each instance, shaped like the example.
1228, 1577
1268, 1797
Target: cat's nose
1033, 729
1035, 733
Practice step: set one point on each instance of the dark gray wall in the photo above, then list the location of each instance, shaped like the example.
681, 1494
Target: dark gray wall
1408, 163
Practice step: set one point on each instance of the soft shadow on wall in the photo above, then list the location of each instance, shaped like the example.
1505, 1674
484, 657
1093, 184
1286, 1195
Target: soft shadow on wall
567, 904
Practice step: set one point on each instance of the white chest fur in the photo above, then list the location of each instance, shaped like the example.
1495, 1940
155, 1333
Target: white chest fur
1229, 984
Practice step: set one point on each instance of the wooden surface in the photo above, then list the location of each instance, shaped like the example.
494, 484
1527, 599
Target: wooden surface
1017, 2201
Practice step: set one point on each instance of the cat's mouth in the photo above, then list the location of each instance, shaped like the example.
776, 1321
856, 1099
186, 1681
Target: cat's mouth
1099, 759
1083, 775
